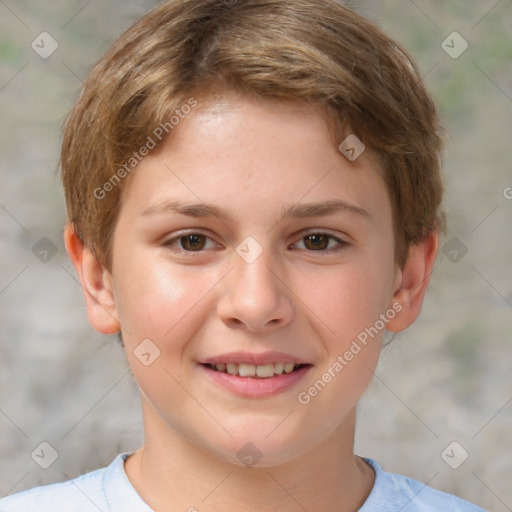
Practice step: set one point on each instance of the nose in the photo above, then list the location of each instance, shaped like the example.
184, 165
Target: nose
255, 296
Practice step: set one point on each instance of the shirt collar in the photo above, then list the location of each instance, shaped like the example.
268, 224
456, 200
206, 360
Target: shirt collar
119, 492
121, 496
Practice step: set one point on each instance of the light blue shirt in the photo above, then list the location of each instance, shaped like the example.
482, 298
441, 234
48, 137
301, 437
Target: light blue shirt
109, 490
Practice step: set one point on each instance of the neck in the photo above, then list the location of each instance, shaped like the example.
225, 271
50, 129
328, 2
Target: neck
170, 469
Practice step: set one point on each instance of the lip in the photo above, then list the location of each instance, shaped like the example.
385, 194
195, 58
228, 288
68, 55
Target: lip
253, 387
256, 359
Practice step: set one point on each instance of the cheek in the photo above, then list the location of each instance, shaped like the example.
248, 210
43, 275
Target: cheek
158, 303
349, 302
152, 296
162, 301
349, 299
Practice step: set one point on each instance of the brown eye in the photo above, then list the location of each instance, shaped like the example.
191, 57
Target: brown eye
316, 242
321, 242
193, 242
189, 244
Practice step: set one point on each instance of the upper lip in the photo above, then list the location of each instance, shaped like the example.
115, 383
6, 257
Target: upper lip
255, 359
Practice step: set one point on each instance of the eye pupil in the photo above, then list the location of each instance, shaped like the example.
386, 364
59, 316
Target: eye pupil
192, 242
319, 241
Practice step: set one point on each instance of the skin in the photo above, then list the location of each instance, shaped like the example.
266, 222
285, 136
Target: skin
253, 158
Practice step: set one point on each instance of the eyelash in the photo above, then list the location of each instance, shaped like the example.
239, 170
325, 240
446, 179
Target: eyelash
168, 244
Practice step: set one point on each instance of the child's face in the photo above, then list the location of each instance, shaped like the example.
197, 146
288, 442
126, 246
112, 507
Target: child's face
308, 298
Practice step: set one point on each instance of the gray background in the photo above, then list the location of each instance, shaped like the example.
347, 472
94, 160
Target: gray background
445, 379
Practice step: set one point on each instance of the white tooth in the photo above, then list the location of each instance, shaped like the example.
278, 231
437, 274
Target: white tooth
288, 367
246, 370
232, 368
220, 366
265, 370
278, 368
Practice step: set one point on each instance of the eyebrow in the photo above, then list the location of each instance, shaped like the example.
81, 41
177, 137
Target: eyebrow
297, 210
322, 209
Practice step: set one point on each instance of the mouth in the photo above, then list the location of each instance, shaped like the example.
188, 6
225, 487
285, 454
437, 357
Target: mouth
255, 381
263, 371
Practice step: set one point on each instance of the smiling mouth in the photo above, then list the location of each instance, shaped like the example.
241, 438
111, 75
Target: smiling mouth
263, 371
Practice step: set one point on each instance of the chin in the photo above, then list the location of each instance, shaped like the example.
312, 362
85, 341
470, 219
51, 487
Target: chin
255, 447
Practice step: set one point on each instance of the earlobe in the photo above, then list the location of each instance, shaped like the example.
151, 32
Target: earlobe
96, 282
412, 282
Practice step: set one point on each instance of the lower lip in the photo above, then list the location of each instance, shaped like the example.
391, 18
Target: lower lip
254, 387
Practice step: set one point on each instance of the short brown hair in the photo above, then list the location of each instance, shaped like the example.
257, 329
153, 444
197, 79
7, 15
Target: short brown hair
315, 51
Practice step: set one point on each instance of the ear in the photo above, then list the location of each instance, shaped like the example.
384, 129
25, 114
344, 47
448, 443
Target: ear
96, 284
412, 281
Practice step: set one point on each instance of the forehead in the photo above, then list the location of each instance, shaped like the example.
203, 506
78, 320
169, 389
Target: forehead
233, 149
237, 126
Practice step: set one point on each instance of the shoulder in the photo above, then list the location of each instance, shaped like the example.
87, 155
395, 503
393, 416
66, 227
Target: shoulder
82, 494
397, 492
106, 490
